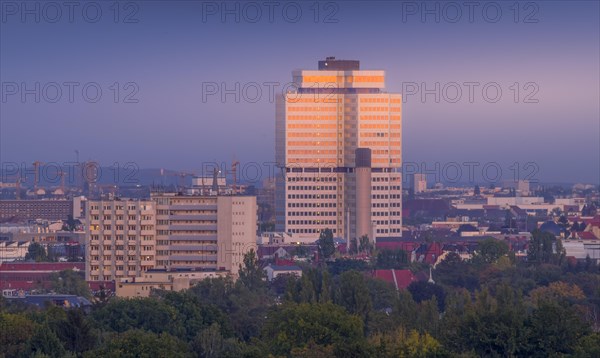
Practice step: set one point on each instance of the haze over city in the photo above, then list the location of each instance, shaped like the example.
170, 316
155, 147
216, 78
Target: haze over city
302, 179
162, 57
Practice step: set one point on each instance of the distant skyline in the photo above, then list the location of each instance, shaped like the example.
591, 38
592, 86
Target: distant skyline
177, 49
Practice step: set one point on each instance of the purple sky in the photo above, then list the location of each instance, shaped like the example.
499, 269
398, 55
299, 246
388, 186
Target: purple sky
176, 47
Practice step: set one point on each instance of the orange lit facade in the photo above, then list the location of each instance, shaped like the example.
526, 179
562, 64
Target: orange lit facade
120, 239
318, 128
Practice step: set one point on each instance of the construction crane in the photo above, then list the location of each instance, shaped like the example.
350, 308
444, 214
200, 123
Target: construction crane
18, 188
36, 178
62, 181
234, 166
18, 181
181, 178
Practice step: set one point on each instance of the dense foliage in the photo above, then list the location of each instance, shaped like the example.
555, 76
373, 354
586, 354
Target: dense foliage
491, 305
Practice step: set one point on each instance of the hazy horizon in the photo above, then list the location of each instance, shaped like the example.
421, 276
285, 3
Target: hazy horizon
175, 49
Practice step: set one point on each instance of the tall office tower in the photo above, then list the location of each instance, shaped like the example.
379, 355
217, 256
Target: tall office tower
322, 127
120, 239
204, 232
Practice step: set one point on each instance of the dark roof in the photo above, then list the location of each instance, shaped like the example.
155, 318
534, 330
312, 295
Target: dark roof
551, 227
41, 266
59, 300
284, 268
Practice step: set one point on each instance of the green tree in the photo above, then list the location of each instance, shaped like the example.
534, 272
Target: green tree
544, 248
588, 346
209, 342
306, 290
325, 292
15, 331
250, 273
490, 250
325, 244
353, 247
141, 344
296, 326
365, 245
44, 341
36, 252
70, 282
149, 314
391, 259
453, 271
405, 310
555, 329
353, 293
423, 291
75, 331
383, 294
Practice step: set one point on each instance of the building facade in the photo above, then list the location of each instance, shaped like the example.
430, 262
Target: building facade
25, 210
336, 112
169, 232
209, 233
120, 239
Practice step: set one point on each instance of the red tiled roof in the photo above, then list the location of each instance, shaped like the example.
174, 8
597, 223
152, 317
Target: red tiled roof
587, 235
41, 266
403, 278
433, 252
396, 245
282, 262
595, 221
96, 285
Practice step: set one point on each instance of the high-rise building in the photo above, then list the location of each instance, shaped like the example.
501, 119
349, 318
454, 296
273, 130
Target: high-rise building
120, 239
338, 142
418, 183
204, 232
523, 187
170, 232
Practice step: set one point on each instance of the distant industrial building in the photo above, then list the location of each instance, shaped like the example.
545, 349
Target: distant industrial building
25, 210
417, 183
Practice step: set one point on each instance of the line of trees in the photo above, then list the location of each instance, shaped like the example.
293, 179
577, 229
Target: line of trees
492, 305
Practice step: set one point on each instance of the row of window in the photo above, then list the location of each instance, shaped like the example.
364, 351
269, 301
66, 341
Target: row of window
312, 205
309, 231
121, 227
379, 109
312, 117
311, 187
311, 213
314, 179
386, 205
312, 222
386, 196
120, 237
313, 196
378, 100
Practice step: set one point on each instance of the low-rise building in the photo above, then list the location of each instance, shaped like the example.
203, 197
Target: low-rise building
176, 280
273, 271
30, 275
